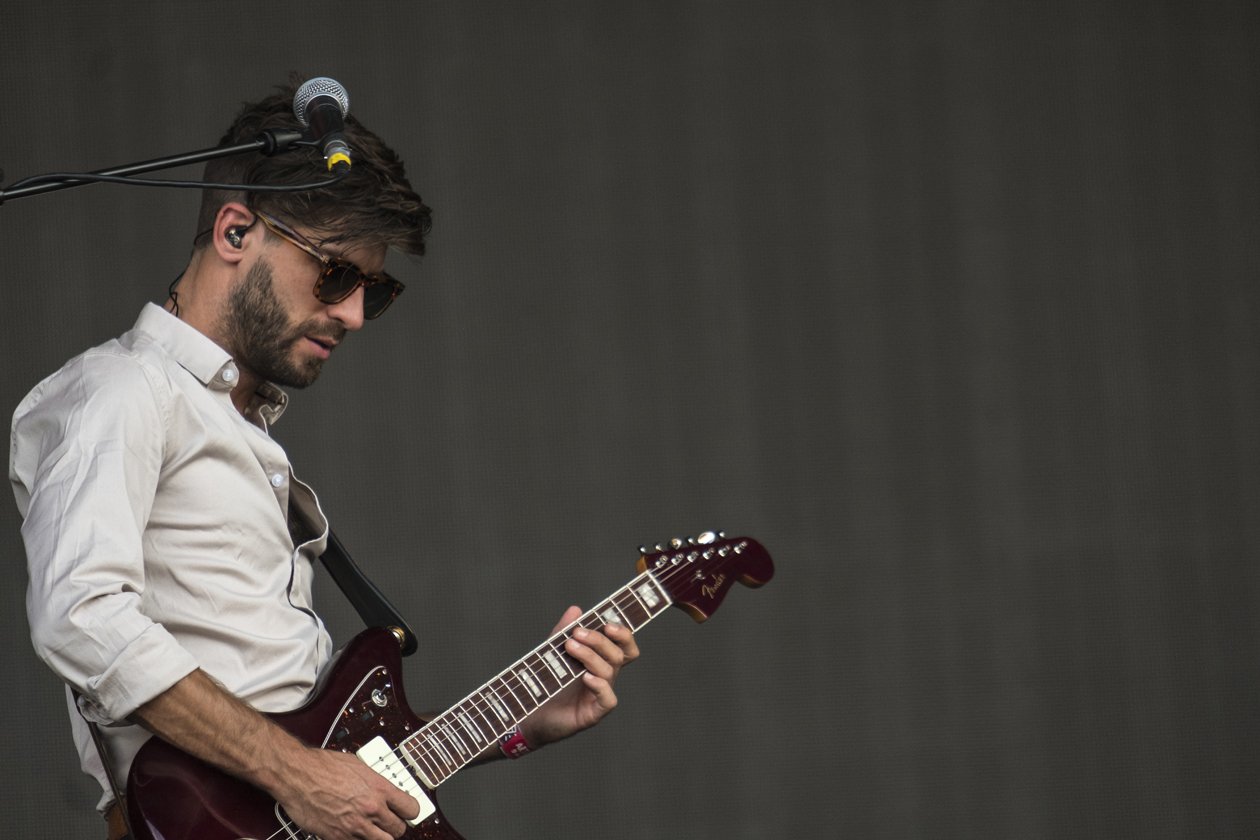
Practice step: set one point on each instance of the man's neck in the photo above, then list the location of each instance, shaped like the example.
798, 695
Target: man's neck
195, 302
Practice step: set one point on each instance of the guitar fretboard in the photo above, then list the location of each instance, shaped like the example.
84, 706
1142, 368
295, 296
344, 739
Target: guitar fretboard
457, 736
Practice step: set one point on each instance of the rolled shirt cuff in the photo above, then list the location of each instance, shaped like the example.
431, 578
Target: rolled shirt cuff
150, 664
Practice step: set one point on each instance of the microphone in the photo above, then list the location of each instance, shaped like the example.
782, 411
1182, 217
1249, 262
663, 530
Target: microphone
321, 105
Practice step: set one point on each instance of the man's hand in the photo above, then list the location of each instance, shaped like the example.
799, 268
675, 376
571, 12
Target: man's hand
585, 702
336, 796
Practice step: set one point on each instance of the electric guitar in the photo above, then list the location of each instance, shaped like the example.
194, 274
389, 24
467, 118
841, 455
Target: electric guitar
358, 706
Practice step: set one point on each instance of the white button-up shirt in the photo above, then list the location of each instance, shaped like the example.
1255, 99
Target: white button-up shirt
156, 522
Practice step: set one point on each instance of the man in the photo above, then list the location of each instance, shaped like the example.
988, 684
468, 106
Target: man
170, 546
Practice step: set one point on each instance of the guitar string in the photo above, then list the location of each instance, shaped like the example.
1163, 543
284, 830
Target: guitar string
293, 830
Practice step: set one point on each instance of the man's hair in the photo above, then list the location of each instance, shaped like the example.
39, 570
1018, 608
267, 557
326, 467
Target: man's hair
373, 205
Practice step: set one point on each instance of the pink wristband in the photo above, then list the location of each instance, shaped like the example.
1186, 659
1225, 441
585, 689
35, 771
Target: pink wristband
513, 744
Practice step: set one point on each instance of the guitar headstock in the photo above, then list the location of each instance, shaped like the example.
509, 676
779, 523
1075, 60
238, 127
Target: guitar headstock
697, 573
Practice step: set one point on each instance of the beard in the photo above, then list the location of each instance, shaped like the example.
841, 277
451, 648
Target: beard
262, 335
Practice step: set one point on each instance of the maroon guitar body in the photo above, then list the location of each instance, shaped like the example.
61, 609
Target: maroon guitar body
173, 796
359, 706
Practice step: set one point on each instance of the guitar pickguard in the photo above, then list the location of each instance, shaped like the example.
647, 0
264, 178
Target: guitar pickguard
372, 707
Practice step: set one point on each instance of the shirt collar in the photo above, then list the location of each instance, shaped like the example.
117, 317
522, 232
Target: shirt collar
205, 360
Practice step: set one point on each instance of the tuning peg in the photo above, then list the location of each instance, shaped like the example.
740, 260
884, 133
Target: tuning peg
708, 537
643, 549
675, 543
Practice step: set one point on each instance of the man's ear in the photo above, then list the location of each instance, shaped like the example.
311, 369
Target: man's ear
229, 236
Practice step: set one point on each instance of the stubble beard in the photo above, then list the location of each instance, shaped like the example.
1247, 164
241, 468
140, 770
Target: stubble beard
262, 335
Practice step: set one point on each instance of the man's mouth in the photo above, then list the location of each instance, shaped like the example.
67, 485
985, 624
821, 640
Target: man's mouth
323, 346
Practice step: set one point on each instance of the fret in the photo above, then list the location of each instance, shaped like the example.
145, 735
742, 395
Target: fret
632, 608
479, 710
526, 676
659, 599
611, 615
558, 670
571, 668
442, 760
466, 735
500, 707
543, 673
452, 738
475, 733
422, 762
485, 722
513, 697
445, 761
565, 667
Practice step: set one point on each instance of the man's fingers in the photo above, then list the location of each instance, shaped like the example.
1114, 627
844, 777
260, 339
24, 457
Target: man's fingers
624, 639
402, 804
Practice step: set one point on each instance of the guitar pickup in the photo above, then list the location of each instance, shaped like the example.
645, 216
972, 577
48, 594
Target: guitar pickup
380, 756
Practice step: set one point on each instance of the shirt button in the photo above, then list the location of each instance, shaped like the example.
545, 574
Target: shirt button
277, 480
229, 375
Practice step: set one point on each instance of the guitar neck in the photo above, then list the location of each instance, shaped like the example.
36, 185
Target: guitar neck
457, 736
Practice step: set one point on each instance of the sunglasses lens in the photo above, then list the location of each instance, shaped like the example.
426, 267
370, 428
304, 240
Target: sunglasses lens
338, 283
378, 296
340, 280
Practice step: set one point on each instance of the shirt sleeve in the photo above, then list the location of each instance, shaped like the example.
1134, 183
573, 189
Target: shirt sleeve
85, 462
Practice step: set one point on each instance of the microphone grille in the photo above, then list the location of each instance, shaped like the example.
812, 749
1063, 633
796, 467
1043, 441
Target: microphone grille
313, 88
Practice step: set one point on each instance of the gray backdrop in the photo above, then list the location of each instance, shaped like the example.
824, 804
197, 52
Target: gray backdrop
952, 305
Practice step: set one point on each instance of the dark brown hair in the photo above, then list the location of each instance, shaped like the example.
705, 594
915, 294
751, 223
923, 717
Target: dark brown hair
373, 205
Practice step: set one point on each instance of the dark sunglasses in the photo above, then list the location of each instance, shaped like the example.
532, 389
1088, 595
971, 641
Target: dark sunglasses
338, 279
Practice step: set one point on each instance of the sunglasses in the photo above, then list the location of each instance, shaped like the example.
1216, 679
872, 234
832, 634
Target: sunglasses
338, 279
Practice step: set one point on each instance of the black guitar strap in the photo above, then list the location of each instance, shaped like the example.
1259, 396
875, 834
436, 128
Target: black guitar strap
371, 604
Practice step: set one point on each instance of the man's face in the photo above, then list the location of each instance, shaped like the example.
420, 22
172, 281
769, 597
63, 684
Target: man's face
276, 326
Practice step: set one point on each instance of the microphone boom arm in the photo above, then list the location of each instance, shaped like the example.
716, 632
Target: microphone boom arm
269, 142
